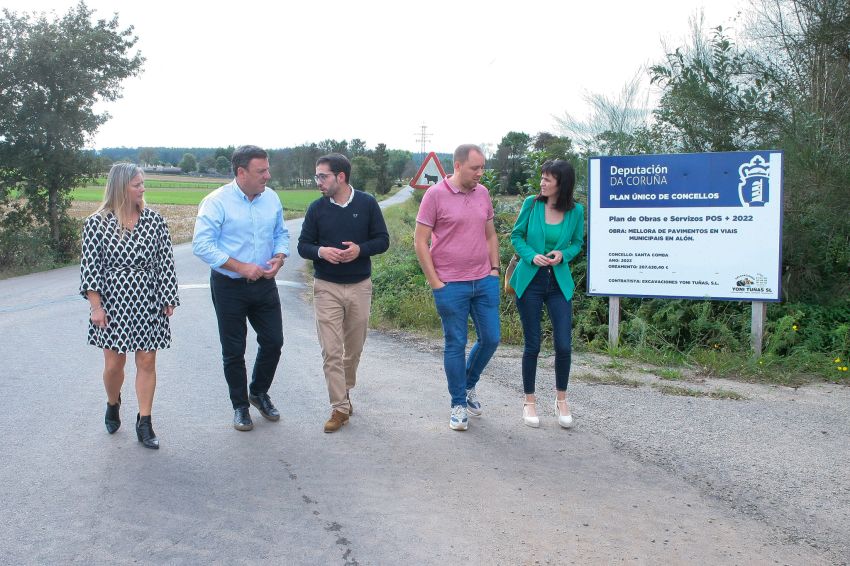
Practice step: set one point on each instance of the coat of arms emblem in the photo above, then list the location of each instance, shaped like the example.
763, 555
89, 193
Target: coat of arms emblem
754, 186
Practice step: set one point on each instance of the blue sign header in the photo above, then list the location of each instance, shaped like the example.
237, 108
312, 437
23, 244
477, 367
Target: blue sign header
731, 179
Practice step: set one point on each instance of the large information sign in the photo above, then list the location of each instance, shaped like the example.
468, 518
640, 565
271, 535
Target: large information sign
705, 225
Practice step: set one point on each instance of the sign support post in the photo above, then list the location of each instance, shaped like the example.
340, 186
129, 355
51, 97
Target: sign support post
613, 322
704, 226
759, 315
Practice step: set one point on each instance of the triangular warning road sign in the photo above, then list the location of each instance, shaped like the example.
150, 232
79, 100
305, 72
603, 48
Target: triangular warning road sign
430, 173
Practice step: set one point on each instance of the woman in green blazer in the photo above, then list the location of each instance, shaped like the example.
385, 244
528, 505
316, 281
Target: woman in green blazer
548, 234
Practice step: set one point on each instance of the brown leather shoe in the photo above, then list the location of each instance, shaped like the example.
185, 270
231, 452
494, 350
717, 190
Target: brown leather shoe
336, 421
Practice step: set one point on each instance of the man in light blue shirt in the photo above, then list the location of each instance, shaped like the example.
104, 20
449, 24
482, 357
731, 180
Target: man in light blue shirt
240, 233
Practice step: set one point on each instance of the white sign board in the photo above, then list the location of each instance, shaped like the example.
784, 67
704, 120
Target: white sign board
686, 226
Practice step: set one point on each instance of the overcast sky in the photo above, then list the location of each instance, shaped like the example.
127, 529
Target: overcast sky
279, 74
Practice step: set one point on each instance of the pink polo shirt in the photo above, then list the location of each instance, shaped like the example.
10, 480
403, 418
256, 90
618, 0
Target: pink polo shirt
458, 237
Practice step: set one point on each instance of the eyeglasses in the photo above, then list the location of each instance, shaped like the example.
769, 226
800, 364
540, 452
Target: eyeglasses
322, 176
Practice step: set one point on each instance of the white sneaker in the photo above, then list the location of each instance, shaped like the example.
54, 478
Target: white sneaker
473, 405
458, 420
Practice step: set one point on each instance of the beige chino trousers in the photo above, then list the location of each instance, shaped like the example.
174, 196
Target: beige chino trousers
342, 319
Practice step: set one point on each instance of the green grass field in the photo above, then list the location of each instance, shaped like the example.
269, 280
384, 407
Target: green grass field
173, 182
291, 199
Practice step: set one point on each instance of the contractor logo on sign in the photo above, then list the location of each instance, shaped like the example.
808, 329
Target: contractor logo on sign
746, 283
754, 185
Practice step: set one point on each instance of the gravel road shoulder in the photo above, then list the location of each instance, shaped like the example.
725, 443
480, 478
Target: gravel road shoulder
775, 454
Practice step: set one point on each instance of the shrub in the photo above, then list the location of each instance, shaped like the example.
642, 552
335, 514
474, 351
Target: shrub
798, 338
25, 246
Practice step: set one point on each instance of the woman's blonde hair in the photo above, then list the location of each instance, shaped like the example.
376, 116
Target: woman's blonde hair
115, 195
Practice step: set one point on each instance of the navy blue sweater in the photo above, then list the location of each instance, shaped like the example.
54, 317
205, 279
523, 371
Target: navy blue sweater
328, 225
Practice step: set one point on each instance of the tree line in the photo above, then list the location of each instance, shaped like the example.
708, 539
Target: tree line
787, 88
373, 169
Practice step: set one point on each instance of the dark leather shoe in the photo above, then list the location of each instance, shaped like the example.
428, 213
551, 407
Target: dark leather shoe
113, 418
145, 433
242, 419
265, 406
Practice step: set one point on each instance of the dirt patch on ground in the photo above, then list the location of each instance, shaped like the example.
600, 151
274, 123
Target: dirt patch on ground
180, 217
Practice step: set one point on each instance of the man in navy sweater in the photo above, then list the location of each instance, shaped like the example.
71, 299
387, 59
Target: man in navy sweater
341, 231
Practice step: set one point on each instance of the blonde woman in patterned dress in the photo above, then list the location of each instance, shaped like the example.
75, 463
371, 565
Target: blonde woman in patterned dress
127, 275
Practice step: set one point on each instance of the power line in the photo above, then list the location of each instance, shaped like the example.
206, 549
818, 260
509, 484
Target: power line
423, 138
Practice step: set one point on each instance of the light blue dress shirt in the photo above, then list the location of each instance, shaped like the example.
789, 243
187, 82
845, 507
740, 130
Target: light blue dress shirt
229, 225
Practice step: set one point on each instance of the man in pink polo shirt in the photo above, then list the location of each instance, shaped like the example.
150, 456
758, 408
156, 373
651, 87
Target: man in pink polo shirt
458, 249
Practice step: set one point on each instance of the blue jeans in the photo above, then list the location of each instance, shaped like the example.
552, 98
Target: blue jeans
544, 289
456, 302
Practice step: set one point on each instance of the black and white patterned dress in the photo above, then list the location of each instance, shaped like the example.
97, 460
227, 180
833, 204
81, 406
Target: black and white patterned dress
134, 274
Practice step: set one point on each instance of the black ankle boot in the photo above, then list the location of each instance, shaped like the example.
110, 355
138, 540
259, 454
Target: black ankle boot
113, 418
145, 433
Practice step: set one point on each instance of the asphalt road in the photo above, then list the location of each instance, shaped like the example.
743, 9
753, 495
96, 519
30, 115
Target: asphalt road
395, 485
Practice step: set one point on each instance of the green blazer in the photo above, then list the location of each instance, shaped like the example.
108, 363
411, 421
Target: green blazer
529, 239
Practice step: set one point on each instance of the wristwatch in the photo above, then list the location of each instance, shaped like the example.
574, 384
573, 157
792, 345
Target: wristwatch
496, 268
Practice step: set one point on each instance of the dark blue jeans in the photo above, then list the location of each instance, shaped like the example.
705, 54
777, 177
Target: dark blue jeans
544, 289
238, 300
456, 303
